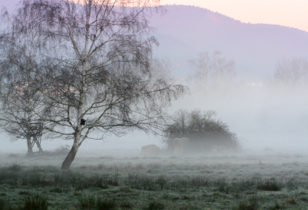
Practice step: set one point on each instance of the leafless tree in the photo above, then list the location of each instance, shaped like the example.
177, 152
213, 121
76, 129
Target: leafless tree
95, 65
212, 71
20, 99
291, 72
17, 116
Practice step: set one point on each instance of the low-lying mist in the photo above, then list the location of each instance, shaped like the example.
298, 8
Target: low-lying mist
260, 116
267, 116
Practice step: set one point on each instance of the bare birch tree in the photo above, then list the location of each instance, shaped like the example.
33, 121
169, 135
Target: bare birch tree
95, 73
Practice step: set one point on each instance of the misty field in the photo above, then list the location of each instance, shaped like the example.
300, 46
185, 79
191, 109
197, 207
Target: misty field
130, 181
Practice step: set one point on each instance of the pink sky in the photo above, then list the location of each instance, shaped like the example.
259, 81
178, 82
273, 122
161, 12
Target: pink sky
291, 13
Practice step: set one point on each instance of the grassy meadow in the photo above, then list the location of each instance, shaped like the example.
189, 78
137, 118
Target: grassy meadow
130, 181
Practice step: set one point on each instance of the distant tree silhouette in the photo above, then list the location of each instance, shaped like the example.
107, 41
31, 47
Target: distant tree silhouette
290, 72
212, 71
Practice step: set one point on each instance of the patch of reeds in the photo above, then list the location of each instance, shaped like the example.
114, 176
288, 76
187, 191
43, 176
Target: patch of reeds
14, 168
56, 189
155, 205
292, 201
276, 206
105, 204
222, 186
141, 182
48, 176
87, 202
126, 204
97, 203
5, 204
252, 203
161, 181
244, 185
268, 185
35, 202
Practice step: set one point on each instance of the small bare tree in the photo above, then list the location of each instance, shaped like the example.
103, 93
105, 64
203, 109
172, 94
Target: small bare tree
20, 99
95, 72
291, 72
212, 71
17, 116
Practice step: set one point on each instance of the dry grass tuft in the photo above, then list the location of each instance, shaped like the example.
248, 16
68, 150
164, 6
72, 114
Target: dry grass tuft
292, 201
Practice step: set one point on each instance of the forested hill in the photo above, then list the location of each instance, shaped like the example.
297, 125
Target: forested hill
184, 31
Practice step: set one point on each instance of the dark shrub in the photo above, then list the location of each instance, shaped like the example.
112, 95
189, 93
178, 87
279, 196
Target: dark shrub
36, 202
269, 185
161, 181
14, 168
56, 190
105, 204
87, 202
4, 205
154, 205
91, 202
276, 206
126, 204
251, 204
203, 131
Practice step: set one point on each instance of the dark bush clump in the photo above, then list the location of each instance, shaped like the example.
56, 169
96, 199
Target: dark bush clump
276, 206
252, 204
105, 204
56, 190
203, 131
161, 181
269, 185
87, 202
126, 204
36, 202
5, 205
154, 205
14, 168
91, 202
